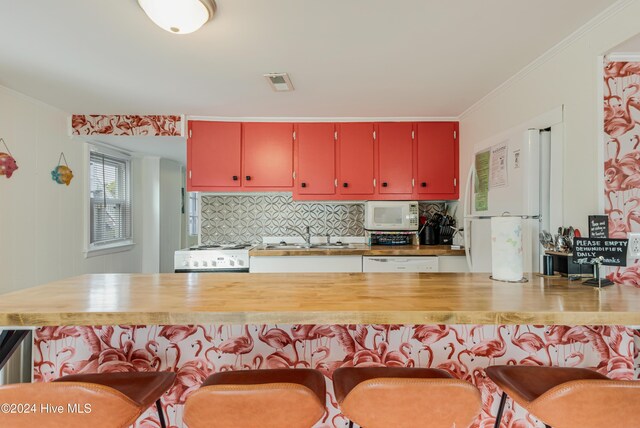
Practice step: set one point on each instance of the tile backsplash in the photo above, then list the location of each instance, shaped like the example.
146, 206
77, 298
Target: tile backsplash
227, 219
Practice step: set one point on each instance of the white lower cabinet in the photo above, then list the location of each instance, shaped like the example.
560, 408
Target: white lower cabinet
456, 264
309, 264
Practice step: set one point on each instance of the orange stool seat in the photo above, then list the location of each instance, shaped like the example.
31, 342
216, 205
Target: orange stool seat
380, 397
275, 398
109, 400
567, 397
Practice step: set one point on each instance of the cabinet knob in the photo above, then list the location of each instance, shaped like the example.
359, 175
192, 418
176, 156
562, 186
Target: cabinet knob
385, 184
248, 178
235, 178
345, 184
303, 184
423, 184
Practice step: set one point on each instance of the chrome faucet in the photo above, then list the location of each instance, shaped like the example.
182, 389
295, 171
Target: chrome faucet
306, 237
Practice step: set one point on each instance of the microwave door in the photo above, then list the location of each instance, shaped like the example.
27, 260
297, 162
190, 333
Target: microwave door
388, 217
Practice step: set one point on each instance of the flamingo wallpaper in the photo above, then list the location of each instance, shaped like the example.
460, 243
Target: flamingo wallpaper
127, 125
195, 351
622, 157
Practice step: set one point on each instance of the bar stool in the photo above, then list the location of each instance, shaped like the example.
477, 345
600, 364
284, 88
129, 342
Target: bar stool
381, 397
273, 398
104, 400
567, 397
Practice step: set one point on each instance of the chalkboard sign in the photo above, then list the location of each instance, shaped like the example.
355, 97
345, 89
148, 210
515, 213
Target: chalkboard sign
598, 226
614, 251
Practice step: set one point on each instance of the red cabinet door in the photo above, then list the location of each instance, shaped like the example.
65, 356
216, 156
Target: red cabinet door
316, 155
214, 154
437, 154
395, 158
356, 159
267, 155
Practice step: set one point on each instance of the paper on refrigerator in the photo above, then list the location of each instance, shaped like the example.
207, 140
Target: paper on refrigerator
481, 180
498, 175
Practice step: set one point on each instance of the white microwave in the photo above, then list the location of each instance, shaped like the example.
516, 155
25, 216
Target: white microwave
391, 215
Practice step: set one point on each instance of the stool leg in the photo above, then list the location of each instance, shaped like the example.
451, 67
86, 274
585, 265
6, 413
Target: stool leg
503, 401
163, 424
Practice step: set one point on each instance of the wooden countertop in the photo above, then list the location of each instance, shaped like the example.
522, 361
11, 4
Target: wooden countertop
438, 298
363, 250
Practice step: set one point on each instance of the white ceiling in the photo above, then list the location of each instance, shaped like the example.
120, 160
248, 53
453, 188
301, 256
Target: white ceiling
346, 58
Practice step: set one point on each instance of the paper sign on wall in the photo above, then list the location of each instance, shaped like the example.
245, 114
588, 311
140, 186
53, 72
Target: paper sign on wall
498, 174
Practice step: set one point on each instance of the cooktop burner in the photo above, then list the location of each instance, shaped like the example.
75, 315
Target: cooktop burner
221, 247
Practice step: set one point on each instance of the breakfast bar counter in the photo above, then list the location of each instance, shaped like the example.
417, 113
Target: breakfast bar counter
197, 324
439, 298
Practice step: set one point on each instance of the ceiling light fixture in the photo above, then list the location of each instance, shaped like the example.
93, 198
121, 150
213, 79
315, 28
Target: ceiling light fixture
280, 82
179, 16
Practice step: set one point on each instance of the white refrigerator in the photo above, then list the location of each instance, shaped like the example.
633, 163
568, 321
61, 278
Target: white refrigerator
513, 180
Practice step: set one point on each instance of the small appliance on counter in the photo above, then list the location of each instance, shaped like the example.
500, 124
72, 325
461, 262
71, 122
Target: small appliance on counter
391, 222
391, 215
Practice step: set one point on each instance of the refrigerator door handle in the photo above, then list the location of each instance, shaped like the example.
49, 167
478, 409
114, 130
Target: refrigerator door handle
467, 250
466, 215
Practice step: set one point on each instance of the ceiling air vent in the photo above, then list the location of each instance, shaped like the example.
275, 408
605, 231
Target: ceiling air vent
280, 82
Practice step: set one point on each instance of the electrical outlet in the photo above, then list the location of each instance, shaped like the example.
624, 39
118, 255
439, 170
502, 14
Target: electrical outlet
633, 251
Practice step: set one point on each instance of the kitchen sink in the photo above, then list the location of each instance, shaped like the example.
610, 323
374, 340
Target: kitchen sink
283, 247
301, 246
329, 246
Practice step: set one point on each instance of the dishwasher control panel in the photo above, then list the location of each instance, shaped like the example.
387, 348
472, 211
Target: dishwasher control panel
400, 264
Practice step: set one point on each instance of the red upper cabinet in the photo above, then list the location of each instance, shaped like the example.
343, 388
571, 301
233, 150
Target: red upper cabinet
356, 159
316, 156
395, 158
437, 160
267, 155
213, 155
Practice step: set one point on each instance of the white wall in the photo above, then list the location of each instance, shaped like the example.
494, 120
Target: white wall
41, 222
150, 210
161, 211
170, 212
570, 77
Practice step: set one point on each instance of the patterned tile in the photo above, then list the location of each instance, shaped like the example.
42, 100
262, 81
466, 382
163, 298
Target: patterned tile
228, 219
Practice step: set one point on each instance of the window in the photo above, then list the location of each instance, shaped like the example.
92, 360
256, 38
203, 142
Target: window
110, 200
193, 214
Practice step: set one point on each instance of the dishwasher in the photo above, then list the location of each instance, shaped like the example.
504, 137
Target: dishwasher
400, 264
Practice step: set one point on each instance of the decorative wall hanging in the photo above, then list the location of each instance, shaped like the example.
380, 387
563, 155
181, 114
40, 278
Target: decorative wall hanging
126, 125
7, 162
62, 174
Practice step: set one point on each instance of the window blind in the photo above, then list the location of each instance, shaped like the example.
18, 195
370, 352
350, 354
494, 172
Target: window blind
110, 209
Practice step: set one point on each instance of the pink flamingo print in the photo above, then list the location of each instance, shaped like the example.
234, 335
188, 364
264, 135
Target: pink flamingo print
617, 116
239, 345
577, 357
275, 337
456, 367
189, 377
492, 348
618, 228
430, 334
178, 333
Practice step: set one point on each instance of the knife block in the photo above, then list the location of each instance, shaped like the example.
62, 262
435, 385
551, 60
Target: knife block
563, 264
